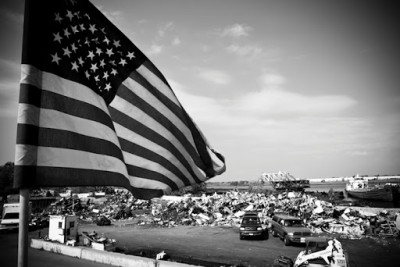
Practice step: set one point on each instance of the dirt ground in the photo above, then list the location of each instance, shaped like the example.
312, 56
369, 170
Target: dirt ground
221, 246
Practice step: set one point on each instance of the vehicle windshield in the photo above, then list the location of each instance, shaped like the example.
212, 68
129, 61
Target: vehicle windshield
11, 215
250, 220
293, 223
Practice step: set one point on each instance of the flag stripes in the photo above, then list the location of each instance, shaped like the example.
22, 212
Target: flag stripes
55, 177
138, 144
135, 153
95, 111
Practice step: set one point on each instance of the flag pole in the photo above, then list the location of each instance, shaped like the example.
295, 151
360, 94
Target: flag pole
23, 228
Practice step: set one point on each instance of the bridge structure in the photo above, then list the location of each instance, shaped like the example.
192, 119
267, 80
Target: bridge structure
283, 181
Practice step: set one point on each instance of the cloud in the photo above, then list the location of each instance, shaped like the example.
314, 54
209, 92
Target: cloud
271, 80
113, 15
162, 30
244, 50
176, 41
154, 49
236, 31
215, 76
9, 91
11, 16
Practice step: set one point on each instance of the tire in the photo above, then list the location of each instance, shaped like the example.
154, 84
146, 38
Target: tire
286, 241
241, 237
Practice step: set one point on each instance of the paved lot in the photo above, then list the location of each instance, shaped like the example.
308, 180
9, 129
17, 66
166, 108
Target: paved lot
36, 258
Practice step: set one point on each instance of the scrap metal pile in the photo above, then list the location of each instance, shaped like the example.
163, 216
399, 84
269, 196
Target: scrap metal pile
227, 210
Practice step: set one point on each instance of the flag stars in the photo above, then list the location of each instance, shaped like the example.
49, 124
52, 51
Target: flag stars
73, 47
108, 87
106, 40
82, 27
74, 29
114, 71
87, 42
109, 52
55, 58
96, 78
87, 74
77, 14
92, 28
87, 16
131, 55
58, 17
123, 62
106, 75
98, 51
69, 15
67, 52
80, 60
66, 33
90, 55
94, 67
57, 37
102, 63
116, 43
75, 66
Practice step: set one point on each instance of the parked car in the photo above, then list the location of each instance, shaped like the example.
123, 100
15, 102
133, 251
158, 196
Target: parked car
250, 226
289, 228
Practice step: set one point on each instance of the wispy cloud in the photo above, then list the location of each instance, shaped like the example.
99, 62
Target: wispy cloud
154, 49
235, 31
176, 41
11, 16
112, 15
215, 76
163, 29
244, 50
9, 87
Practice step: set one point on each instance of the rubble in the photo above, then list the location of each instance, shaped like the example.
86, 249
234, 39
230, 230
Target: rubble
227, 209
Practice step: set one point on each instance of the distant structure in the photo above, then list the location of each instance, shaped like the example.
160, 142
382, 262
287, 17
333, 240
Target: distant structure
283, 181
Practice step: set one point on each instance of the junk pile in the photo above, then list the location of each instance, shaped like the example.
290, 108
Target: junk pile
228, 208
95, 241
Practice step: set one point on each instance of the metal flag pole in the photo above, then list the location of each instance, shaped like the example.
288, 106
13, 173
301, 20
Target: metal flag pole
23, 228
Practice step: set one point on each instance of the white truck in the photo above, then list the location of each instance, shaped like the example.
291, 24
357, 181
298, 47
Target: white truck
10, 216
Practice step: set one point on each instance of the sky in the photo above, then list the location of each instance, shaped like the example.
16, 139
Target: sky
308, 87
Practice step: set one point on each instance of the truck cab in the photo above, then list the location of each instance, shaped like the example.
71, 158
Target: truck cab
10, 216
289, 228
250, 226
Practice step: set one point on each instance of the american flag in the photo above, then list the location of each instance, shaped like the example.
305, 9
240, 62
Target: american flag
94, 110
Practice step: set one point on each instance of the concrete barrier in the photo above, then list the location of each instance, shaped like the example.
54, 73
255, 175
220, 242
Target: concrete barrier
116, 259
105, 257
57, 248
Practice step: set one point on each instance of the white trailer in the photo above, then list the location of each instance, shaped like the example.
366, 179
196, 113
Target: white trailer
63, 228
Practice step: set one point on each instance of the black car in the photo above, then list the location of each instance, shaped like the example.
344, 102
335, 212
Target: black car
251, 226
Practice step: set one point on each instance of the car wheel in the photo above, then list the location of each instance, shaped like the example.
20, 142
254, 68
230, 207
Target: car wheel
286, 241
241, 237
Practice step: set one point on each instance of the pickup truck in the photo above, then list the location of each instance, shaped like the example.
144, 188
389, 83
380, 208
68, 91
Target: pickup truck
250, 226
289, 228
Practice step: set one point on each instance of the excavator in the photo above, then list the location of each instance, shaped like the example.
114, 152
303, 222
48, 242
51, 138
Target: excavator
319, 252
322, 252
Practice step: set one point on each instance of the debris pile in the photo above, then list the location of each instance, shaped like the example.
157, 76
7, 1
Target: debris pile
95, 241
228, 208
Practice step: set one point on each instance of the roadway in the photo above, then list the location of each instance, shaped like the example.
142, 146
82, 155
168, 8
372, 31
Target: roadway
36, 258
